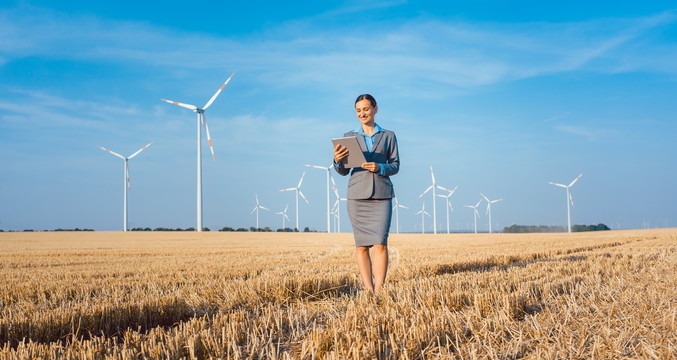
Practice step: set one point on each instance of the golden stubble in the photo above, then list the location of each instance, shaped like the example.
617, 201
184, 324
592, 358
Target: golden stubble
298, 296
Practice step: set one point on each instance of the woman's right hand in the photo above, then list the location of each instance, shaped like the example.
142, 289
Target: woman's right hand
340, 152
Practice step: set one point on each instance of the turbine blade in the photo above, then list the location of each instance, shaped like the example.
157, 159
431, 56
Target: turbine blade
470, 206
140, 150
478, 203
251, 212
112, 152
432, 174
209, 103
285, 215
264, 208
418, 212
300, 181
556, 184
317, 167
443, 188
257, 199
488, 207
290, 189
304, 198
495, 201
576, 179
571, 198
285, 208
402, 206
484, 197
187, 106
425, 212
209, 138
426, 190
451, 207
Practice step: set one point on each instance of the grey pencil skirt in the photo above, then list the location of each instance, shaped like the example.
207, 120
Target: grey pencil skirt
371, 220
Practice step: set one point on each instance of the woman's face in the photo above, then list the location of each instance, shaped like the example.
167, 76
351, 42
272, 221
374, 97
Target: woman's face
365, 112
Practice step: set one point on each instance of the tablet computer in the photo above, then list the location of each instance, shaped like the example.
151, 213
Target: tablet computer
355, 156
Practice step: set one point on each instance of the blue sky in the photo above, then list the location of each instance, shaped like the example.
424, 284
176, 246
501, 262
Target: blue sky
499, 97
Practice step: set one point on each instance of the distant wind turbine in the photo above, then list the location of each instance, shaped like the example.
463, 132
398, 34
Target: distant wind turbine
396, 208
446, 197
489, 208
258, 206
126, 186
476, 213
284, 215
569, 198
201, 120
422, 212
433, 187
328, 170
298, 192
337, 205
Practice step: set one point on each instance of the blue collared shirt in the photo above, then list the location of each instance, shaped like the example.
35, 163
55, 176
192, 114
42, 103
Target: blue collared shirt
369, 141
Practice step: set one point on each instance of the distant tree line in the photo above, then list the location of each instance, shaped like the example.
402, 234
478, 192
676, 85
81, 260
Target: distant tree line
552, 229
598, 227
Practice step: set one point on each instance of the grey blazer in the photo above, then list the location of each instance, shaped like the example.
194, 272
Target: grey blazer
364, 184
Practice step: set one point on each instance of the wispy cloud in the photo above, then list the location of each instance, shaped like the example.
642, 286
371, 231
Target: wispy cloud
437, 53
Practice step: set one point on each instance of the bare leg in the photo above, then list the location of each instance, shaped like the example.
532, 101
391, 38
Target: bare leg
380, 266
364, 264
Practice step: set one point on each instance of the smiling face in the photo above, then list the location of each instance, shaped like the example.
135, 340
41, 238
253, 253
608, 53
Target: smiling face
366, 112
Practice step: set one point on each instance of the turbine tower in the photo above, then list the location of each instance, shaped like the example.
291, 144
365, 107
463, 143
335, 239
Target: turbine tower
298, 192
396, 208
476, 213
569, 198
284, 215
434, 186
489, 208
258, 206
126, 180
422, 212
446, 197
327, 169
337, 205
201, 120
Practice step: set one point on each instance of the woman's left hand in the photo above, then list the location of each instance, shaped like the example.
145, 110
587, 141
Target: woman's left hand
372, 166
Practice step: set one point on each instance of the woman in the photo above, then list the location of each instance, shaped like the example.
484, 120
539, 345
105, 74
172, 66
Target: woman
370, 191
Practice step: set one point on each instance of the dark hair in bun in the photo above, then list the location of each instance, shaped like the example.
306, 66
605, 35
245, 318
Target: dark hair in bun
366, 97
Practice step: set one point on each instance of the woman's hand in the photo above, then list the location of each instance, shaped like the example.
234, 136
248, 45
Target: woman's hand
372, 166
340, 152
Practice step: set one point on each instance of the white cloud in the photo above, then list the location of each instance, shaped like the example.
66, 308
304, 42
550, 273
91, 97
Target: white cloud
454, 54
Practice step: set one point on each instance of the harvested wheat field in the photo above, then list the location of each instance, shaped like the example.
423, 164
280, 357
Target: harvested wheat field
179, 295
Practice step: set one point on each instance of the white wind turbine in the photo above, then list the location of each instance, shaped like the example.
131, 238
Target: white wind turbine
396, 208
434, 186
337, 216
126, 180
258, 206
298, 192
476, 213
446, 197
284, 215
489, 208
201, 120
328, 170
422, 212
569, 198
336, 210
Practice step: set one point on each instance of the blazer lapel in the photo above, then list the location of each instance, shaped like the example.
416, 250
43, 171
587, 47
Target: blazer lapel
377, 141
